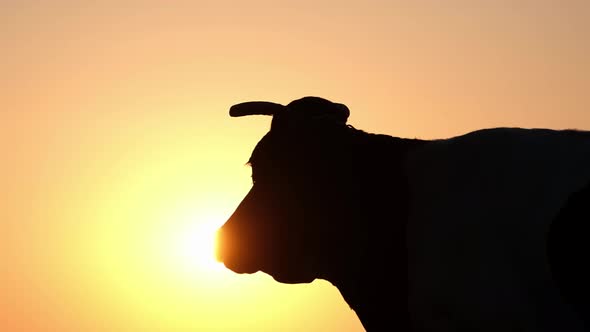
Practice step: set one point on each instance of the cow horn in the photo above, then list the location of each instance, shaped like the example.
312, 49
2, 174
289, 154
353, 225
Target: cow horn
255, 108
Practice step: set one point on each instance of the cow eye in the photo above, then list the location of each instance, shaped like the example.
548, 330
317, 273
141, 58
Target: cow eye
249, 163
254, 178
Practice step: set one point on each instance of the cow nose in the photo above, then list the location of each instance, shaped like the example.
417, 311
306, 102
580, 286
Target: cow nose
219, 244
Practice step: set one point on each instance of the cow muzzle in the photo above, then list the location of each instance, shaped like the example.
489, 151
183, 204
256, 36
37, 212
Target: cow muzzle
234, 256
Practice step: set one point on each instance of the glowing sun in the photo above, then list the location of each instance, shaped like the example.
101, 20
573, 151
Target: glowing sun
192, 245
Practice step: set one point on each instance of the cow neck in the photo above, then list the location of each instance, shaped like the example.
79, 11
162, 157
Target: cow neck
377, 291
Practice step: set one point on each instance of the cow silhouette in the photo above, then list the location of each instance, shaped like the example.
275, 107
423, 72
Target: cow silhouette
486, 231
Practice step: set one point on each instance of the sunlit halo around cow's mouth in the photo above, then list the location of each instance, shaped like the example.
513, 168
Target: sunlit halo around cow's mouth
193, 245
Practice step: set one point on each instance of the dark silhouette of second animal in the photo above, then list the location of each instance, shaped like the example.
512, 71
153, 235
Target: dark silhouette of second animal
487, 231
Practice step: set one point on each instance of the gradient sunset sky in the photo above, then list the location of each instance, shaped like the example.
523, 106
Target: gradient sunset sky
118, 158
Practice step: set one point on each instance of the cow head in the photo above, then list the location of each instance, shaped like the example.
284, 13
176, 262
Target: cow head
300, 212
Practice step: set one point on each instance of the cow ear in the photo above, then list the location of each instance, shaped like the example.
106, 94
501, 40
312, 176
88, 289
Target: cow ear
341, 112
319, 108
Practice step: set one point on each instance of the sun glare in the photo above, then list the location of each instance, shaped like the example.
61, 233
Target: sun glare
192, 243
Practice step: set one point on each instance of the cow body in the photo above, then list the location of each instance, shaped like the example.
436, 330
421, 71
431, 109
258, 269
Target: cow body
419, 235
483, 206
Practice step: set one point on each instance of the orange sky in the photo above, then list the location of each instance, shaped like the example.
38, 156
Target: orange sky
116, 149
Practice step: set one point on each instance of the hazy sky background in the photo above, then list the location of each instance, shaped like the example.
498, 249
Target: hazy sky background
116, 146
